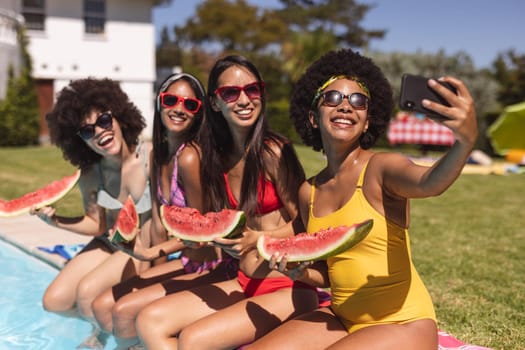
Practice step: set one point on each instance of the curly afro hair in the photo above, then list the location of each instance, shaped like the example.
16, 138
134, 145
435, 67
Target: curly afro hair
75, 102
349, 63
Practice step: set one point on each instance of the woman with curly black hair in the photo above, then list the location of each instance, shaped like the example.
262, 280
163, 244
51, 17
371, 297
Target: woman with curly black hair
341, 105
97, 128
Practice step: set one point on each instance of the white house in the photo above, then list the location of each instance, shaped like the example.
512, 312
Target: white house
9, 53
72, 39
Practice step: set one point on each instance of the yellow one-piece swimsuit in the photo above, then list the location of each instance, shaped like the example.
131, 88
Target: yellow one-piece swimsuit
375, 281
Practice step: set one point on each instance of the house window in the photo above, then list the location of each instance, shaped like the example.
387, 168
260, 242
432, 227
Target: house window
34, 14
94, 16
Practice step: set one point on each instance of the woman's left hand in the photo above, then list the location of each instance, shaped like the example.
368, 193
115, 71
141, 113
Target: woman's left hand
461, 115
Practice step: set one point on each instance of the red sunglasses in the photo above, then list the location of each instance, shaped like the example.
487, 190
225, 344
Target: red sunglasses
231, 93
190, 104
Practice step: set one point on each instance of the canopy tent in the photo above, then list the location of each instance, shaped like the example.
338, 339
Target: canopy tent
507, 133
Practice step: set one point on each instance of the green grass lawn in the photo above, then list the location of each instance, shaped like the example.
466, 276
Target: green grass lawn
468, 244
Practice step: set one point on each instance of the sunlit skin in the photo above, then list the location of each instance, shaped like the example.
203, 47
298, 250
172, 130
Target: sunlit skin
177, 119
108, 143
97, 267
116, 309
342, 122
206, 315
243, 113
390, 180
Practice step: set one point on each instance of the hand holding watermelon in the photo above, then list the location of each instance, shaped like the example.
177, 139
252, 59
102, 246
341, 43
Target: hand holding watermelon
295, 271
132, 247
188, 224
231, 246
240, 243
314, 246
46, 214
126, 226
46, 195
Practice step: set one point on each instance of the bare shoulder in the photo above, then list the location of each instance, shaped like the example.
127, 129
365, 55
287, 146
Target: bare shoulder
190, 155
382, 161
304, 190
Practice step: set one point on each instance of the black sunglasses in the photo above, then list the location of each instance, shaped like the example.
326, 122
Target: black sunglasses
104, 121
231, 93
190, 104
334, 98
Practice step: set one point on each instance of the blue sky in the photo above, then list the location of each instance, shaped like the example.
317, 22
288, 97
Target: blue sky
481, 28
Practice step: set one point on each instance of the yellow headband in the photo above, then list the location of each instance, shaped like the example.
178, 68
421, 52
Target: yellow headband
333, 78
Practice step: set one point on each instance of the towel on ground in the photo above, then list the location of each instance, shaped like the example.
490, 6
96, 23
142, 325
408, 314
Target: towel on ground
67, 251
448, 342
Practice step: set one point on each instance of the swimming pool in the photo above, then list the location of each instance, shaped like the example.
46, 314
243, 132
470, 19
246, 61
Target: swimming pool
24, 324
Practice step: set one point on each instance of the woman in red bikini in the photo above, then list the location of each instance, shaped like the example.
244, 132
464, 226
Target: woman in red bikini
249, 168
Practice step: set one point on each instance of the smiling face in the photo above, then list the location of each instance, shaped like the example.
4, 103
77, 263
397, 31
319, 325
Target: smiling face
106, 141
244, 111
343, 121
178, 118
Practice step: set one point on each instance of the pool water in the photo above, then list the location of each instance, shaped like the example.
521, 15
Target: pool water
24, 324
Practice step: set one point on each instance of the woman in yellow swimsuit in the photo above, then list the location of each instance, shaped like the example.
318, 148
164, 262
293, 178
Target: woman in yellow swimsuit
341, 105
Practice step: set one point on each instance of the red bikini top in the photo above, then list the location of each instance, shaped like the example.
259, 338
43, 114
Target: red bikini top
269, 203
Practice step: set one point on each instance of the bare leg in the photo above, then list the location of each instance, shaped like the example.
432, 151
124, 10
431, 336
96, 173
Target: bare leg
116, 268
313, 330
417, 335
111, 271
126, 309
96, 340
159, 322
247, 320
103, 304
61, 295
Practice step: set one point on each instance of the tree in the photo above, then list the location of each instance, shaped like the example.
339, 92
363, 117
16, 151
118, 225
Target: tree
509, 71
19, 116
224, 25
338, 18
282, 42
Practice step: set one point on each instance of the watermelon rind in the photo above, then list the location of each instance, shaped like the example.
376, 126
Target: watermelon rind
124, 229
311, 246
191, 225
39, 198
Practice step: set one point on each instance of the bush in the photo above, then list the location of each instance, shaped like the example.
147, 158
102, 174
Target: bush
19, 115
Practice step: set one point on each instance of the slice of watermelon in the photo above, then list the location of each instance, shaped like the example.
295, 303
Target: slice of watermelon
190, 225
315, 246
124, 230
46, 195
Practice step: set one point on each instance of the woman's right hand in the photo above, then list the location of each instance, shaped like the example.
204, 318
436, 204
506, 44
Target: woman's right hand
134, 248
46, 214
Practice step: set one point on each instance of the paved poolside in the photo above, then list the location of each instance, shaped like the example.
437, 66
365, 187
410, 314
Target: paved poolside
29, 232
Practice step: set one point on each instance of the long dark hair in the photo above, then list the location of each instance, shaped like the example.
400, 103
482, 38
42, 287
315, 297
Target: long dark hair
161, 152
160, 142
217, 142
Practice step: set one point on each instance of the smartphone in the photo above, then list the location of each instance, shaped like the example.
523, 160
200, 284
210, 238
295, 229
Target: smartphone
414, 88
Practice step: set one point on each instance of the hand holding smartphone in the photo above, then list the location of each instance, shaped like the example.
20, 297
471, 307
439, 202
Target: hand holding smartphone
414, 89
